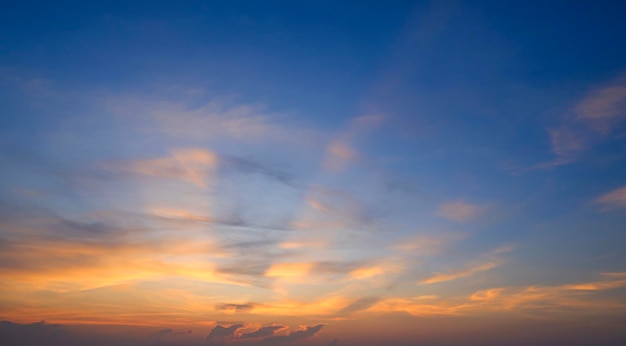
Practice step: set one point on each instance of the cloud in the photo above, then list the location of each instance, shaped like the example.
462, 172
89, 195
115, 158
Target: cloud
615, 198
486, 294
179, 214
302, 334
340, 152
427, 244
311, 271
262, 332
326, 306
193, 165
460, 211
358, 305
465, 272
544, 301
567, 143
163, 332
602, 107
289, 269
54, 253
339, 155
595, 116
248, 166
210, 120
236, 307
221, 333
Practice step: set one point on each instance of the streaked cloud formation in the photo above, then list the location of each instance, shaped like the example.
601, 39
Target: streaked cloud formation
615, 198
414, 173
592, 120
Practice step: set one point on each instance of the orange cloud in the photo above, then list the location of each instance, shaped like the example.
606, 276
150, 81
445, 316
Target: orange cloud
289, 270
192, 165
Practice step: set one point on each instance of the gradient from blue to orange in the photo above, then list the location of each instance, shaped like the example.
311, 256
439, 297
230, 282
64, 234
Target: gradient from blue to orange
350, 173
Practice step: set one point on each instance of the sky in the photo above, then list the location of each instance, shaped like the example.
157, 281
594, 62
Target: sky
313, 173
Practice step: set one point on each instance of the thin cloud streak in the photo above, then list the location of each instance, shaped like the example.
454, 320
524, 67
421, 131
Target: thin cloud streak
460, 211
466, 272
614, 199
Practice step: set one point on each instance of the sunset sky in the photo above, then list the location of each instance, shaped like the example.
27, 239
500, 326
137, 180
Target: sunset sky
335, 173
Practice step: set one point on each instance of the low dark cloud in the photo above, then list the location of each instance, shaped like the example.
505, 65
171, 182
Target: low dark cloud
221, 333
293, 336
262, 332
169, 331
162, 332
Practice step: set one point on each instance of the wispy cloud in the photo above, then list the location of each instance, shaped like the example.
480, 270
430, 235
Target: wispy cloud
460, 211
358, 305
427, 244
340, 152
567, 144
595, 116
566, 299
614, 199
457, 274
339, 155
194, 165
602, 107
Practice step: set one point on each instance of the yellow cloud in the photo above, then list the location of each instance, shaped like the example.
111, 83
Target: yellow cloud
289, 270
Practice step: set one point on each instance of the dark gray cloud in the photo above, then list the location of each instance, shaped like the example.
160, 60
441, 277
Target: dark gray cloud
335, 342
293, 336
220, 332
162, 332
262, 332
236, 307
169, 331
